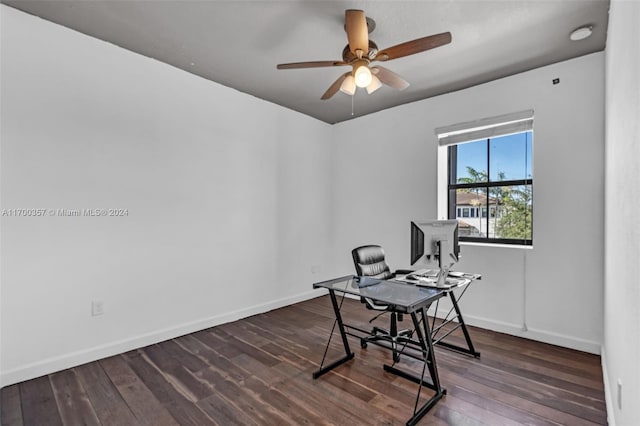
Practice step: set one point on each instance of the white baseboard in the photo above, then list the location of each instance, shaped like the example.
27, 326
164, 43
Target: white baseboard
608, 398
51, 365
516, 330
533, 334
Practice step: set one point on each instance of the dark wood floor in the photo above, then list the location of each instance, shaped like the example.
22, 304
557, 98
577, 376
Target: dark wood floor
257, 371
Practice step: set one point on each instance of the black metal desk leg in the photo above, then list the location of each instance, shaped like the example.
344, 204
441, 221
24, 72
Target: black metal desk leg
426, 344
427, 347
470, 350
348, 354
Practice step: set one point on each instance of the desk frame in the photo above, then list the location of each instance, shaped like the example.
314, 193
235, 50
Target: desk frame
448, 319
420, 349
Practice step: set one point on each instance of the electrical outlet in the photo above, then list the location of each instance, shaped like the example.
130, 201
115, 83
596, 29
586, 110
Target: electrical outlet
97, 308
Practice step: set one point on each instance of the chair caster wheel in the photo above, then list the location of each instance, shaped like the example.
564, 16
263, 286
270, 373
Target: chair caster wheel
363, 343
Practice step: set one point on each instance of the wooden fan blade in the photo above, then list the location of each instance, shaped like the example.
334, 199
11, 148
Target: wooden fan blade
333, 89
390, 78
357, 33
313, 64
414, 46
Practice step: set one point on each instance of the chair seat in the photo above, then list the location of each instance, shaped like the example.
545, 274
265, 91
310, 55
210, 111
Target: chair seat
369, 261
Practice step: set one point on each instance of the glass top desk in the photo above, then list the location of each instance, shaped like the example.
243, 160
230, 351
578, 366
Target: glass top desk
403, 298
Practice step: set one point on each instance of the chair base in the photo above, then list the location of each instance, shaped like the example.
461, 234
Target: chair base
377, 334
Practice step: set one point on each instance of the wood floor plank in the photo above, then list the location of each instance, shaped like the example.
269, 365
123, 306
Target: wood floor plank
145, 406
273, 375
546, 377
11, 406
217, 361
184, 357
258, 371
223, 373
558, 399
362, 410
72, 400
505, 410
244, 331
214, 342
244, 347
247, 401
541, 352
287, 407
358, 390
507, 398
175, 373
181, 408
107, 402
223, 412
339, 408
451, 416
39, 406
566, 372
196, 348
389, 404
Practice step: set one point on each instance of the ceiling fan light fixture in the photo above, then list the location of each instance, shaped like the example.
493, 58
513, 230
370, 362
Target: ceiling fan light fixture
374, 85
362, 76
348, 86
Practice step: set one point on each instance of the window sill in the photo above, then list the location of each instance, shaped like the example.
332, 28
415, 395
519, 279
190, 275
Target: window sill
513, 246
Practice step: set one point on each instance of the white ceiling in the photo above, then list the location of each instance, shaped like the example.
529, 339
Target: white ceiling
239, 43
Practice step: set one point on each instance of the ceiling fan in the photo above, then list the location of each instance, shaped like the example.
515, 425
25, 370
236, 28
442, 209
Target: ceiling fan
361, 52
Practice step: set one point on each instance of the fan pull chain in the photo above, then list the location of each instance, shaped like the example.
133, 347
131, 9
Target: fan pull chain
352, 97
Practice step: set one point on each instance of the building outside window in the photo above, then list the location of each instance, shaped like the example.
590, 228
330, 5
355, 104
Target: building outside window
492, 174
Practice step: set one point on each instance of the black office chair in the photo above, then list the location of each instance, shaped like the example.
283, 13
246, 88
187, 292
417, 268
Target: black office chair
369, 261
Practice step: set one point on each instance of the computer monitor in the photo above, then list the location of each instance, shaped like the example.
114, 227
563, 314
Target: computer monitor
435, 240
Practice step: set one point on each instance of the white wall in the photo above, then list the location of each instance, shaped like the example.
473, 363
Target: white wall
385, 169
621, 351
227, 200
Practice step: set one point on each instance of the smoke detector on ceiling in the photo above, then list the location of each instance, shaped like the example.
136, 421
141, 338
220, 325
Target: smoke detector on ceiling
581, 33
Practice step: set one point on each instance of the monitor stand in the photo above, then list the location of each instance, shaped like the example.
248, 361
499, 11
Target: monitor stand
442, 266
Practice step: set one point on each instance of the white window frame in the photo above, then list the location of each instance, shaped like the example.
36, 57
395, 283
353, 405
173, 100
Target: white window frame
485, 128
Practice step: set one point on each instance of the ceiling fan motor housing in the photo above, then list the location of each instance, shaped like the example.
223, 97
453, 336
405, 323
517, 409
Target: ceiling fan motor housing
348, 56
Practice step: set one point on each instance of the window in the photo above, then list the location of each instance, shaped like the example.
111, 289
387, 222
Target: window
489, 171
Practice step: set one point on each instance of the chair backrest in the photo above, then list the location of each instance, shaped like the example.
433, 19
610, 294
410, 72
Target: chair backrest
369, 262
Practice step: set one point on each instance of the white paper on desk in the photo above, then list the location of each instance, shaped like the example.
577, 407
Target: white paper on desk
421, 280
455, 281
449, 283
425, 282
